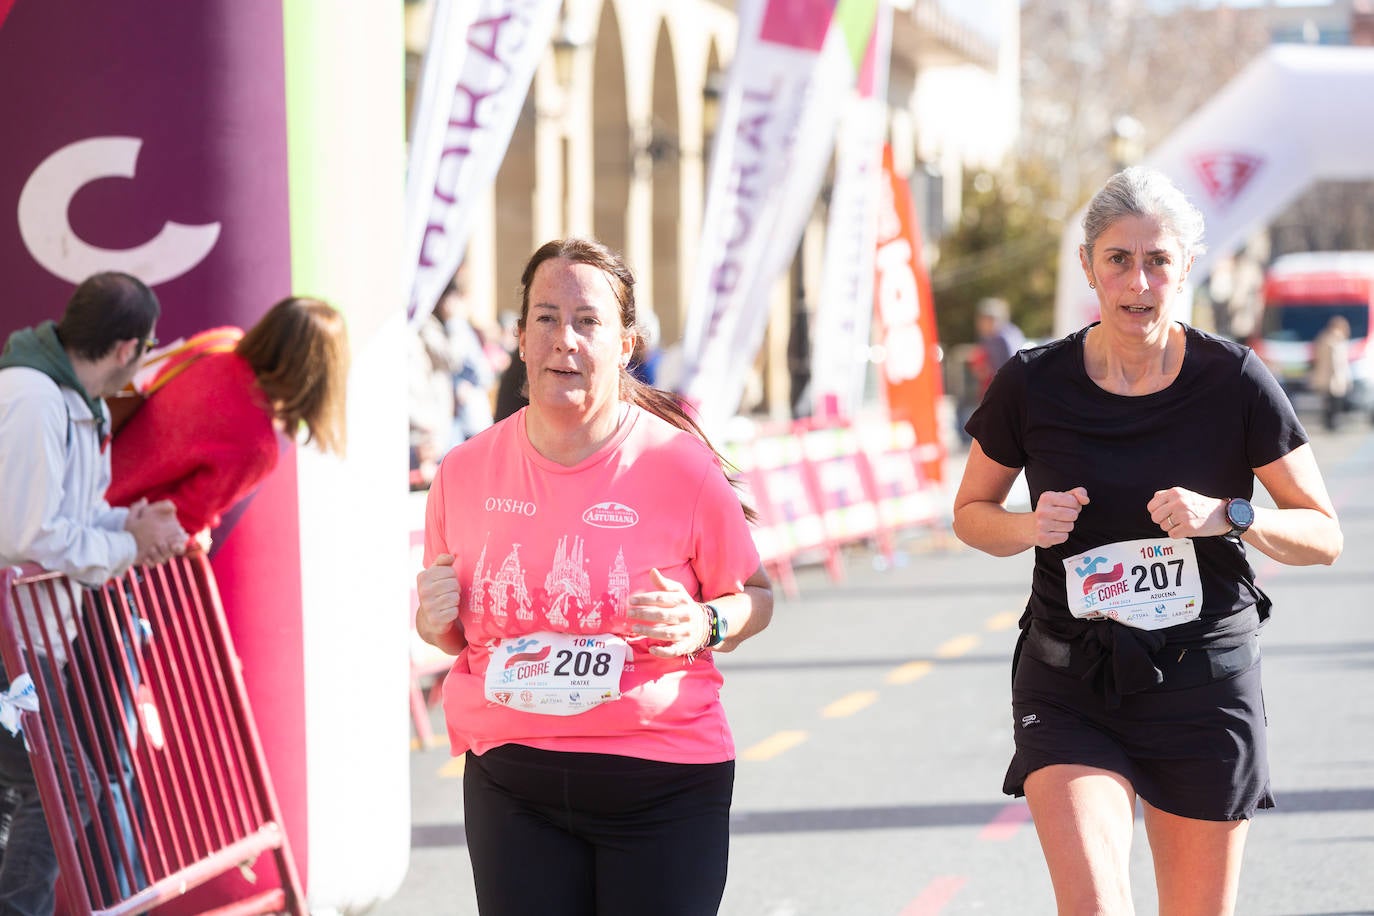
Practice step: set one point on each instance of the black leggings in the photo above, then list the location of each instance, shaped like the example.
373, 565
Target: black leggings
596, 834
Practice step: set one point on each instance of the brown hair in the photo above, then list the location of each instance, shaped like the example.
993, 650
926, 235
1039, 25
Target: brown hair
299, 353
663, 404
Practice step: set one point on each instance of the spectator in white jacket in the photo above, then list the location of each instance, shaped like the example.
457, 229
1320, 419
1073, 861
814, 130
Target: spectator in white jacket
54, 469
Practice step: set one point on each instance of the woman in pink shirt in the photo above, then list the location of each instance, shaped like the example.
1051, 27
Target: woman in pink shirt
585, 557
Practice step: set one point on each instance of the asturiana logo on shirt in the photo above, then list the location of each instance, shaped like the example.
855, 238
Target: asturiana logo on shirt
611, 515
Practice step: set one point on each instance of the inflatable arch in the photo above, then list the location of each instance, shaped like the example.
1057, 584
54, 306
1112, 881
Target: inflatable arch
1297, 114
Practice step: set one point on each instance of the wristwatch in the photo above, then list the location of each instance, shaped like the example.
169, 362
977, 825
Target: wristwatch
1240, 514
719, 626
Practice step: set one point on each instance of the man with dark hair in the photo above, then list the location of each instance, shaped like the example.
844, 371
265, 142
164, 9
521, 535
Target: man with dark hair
54, 469
106, 308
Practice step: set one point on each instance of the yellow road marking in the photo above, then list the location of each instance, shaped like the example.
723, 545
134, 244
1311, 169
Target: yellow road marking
956, 646
774, 745
1004, 621
909, 672
848, 705
454, 768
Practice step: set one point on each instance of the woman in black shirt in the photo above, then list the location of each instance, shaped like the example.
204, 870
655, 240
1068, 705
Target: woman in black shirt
1137, 673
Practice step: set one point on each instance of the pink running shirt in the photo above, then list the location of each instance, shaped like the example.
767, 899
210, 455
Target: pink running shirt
540, 546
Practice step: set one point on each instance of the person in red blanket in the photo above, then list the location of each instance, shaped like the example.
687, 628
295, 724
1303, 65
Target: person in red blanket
220, 412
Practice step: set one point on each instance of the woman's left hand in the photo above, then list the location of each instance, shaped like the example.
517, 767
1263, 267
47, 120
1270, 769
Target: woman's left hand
1184, 514
670, 614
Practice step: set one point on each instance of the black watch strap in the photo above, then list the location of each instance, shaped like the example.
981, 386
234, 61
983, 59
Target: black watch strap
715, 633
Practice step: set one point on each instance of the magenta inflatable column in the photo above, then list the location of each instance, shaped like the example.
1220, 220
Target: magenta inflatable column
231, 154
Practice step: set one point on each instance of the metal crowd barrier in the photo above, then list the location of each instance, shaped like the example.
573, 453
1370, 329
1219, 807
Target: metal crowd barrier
154, 695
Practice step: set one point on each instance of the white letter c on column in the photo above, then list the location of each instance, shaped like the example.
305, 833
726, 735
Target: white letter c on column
47, 233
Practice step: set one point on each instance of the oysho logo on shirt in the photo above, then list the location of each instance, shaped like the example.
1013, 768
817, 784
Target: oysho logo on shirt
513, 506
611, 515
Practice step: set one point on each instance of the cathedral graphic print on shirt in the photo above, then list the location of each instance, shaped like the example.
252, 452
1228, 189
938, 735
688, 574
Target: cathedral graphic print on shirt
565, 602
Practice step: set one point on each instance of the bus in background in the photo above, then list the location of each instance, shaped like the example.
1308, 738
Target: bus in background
1302, 293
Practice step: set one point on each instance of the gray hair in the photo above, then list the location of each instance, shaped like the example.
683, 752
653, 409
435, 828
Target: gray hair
1138, 191
993, 307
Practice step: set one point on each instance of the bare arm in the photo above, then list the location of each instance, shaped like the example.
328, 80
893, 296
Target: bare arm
1302, 529
749, 612
982, 521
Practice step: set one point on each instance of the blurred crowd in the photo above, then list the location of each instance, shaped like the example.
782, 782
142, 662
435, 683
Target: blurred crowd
455, 365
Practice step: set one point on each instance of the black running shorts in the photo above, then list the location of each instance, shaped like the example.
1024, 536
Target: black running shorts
1197, 751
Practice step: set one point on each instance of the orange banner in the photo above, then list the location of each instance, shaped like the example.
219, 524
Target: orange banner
904, 315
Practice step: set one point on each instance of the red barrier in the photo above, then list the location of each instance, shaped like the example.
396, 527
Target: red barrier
838, 473
771, 535
174, 754
782, 481
819, 488
905, 497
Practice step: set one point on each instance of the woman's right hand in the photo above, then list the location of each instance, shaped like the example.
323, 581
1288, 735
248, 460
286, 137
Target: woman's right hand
436, 619
1055, 515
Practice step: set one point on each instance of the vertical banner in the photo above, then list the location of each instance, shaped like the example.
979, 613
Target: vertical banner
481, 58
232, 154
839, 360
790, 78
905, 314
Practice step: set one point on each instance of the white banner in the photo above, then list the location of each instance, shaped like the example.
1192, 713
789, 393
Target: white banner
481, 58
790, 78
1297, 114
844, 313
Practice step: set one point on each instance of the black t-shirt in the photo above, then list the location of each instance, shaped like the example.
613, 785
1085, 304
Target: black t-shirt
1223, 415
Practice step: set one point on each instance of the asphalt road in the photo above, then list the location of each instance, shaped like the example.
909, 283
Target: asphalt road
872, 721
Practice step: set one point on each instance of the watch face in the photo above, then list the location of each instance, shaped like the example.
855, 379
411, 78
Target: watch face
1240, 513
